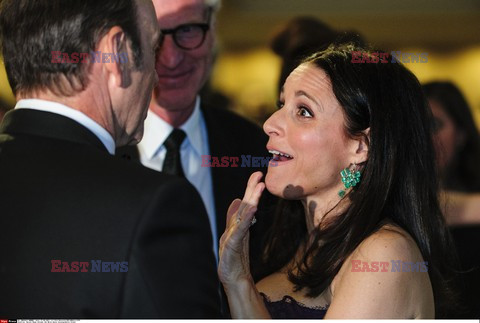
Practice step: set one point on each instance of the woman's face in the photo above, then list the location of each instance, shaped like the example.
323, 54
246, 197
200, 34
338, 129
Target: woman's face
447, 137
308, 130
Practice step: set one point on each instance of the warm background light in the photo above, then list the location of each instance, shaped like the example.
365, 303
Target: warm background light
5, 91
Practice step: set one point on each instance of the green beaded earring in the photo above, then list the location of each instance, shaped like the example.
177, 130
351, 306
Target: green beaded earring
349, 178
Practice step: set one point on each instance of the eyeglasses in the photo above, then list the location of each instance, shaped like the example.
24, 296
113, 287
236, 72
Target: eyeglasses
188, 36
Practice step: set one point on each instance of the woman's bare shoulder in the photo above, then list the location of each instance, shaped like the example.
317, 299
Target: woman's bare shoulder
384, 277
388, 243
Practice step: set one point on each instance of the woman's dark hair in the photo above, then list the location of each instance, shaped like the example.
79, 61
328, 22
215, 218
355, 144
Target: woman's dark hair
30, 30
462, 172
398, 179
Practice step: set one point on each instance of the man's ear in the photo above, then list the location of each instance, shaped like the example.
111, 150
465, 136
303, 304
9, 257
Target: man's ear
115, 57
361, 147
125, 62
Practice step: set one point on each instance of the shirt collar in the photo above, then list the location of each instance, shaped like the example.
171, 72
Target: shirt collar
76, 115
157, 130
192, 128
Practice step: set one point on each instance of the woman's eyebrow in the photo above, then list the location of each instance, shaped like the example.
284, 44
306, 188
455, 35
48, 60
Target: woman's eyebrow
311, 98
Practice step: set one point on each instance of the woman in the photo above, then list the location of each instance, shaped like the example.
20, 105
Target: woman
457, 141
354, 158
457, 144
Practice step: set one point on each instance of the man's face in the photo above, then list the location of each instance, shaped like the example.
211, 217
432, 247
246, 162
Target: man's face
143, 81
181, 72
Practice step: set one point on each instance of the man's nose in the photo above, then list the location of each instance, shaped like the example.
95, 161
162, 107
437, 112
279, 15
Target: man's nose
170, 55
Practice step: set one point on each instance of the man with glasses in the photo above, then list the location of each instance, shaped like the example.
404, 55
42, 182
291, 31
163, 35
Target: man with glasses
180, 128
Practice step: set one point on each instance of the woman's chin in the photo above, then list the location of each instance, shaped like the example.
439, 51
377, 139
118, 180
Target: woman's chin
273, 189
274, 185
282, 189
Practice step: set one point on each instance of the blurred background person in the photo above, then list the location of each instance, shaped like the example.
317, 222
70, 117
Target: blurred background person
303, 36
457, 144
456, 138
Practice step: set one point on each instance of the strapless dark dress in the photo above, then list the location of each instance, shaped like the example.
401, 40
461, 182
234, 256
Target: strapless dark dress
289, 308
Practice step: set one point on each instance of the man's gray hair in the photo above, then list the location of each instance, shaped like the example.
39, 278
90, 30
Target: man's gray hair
215, 4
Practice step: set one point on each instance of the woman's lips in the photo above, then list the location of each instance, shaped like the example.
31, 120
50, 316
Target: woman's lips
279, 156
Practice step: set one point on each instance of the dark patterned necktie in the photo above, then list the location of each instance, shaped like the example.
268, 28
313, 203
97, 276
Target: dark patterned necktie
173, 163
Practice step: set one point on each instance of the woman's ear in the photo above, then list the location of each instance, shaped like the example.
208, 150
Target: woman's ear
362, 147
460, 139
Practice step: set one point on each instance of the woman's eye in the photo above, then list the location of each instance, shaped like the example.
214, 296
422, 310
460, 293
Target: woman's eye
280, 104
304, 112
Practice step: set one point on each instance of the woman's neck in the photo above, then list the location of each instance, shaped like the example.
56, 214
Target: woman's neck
319, 210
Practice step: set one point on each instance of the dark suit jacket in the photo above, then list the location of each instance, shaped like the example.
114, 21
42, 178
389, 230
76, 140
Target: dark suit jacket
231, 135
63, 197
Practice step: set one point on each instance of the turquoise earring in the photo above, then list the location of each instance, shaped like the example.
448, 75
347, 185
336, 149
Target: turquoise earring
349, 178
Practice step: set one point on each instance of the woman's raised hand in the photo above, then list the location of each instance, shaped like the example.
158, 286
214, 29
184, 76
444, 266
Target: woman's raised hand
234, 265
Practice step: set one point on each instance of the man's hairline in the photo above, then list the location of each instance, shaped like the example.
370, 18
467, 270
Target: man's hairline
213, 4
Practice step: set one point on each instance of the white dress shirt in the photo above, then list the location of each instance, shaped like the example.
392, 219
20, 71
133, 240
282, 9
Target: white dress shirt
75, 115
153, 152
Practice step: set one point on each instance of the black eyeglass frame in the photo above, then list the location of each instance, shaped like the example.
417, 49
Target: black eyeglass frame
205, 27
